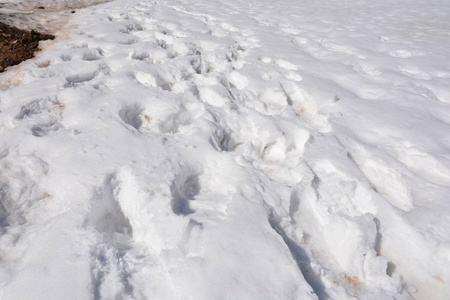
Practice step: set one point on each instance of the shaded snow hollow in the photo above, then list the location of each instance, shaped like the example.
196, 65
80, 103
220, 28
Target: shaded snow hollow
230, 150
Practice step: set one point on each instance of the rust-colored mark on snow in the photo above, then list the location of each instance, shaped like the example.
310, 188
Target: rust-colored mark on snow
439, 279
354, 281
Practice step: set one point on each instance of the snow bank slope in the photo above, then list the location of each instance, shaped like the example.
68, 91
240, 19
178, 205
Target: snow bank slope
228, 150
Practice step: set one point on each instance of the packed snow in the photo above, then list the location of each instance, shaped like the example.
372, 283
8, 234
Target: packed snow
179, 149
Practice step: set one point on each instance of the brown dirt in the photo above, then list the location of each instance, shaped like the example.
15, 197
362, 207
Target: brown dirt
18, 45
38, 20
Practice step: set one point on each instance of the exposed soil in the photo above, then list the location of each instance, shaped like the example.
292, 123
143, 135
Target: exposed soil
37, 20
18, 45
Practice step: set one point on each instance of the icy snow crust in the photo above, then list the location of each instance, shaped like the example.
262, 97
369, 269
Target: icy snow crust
231, 150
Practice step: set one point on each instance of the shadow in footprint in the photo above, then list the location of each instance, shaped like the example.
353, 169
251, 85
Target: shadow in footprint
109, 263
111, 270
184, 189
222, 141
302, 260
79, 78
45, 129
92, 55
131, 115
106, 214
32, 108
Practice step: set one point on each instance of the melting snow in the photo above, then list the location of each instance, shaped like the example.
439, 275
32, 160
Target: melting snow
180, 149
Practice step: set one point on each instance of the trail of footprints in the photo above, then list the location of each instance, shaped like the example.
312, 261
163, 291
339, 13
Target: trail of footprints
42, 116
194, 76
193, 80
167, 57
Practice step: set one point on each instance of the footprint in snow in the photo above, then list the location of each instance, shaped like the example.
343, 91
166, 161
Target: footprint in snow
35, 111
33, 108
140, 54
92, 54
44, 129
406, 53
131, 27
132, 115
43, 64
66, 57
285, 68
222, 139
106, 215
414, 72
184, 189
427, 92
79, 78
111, 261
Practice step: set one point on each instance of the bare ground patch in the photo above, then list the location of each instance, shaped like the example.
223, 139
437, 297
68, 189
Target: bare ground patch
17, 45
29, 22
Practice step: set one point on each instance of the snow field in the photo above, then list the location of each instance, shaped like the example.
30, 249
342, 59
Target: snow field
171, 151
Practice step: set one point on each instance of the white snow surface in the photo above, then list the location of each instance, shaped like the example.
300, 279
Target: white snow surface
179, 149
